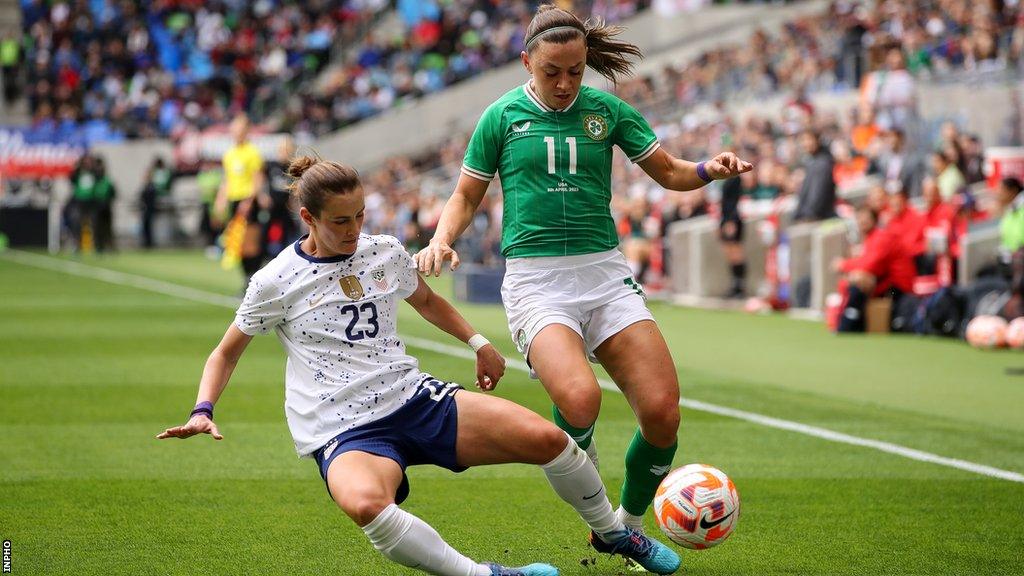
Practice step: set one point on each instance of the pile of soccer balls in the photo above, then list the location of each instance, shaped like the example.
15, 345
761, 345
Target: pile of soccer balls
995, 332
697, 506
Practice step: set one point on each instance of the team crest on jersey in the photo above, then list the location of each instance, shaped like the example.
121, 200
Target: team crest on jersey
595, 126
351, 287
521, 340
379, 279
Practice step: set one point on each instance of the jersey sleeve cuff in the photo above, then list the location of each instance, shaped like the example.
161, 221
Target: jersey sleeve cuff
247, 328
478, 174
646, 153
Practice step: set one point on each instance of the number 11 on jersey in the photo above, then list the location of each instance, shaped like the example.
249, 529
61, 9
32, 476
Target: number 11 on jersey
571, 141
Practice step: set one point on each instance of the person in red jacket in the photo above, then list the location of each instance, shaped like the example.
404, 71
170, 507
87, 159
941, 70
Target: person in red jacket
905, 223
881, 266
939, 246
938, 214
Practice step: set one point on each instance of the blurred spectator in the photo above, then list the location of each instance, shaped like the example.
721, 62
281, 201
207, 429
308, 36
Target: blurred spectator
156, 189
678, 206
818, 192
79, 214
1011, 250
10, 64
878, 202
948, 178
974, 160
905, 224
892, 93
1011, 225
865, 132
281, 226
940, 231
895, 162
848, 169
635, 227
104, 193
879, 267
209, 180
730, 231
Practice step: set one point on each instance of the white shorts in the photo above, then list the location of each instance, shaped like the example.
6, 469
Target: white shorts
593, 294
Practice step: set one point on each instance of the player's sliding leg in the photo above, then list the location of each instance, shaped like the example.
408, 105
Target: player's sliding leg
496, 431
557, 356
364, 486
638, 359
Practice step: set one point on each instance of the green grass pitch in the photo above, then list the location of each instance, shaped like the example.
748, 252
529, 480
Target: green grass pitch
91, 371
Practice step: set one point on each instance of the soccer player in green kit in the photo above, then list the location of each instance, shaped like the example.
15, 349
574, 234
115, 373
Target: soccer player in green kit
568, 292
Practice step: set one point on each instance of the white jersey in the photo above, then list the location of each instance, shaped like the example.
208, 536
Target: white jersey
337, 318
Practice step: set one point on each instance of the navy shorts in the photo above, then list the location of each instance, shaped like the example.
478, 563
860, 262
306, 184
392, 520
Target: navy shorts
422, 431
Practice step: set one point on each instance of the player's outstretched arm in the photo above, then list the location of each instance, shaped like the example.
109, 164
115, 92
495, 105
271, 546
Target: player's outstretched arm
675, 174
490, 364
216, 373
457, 214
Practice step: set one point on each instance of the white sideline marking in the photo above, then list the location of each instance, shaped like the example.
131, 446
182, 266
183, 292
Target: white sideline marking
204, 297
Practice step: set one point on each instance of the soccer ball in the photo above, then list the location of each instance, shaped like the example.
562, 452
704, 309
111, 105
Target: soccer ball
986, 332
1015, 333
697, 506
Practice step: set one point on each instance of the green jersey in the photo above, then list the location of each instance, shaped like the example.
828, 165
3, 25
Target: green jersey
555, 168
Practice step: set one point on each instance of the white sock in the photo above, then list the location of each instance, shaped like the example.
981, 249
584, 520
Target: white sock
592, 454
576, 481
409, 541
634, 522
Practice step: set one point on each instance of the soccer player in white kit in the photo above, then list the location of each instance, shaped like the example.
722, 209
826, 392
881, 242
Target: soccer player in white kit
360, 406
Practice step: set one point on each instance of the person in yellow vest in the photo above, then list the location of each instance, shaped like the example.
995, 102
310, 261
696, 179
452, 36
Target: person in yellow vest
241, 194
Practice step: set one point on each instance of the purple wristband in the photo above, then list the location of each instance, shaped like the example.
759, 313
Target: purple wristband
203, 408
702, 173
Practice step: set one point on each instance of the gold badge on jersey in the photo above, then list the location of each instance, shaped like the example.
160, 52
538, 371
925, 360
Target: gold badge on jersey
351, 287
595, 126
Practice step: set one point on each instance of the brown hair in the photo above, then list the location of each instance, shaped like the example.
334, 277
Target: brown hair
607, 56
316, 179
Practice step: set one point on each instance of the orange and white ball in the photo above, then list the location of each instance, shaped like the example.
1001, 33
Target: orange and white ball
1015, 333
987, 332
697, 506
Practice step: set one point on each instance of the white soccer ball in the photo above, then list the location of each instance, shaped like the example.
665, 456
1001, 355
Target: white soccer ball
697, 506
1015, 333
987, 332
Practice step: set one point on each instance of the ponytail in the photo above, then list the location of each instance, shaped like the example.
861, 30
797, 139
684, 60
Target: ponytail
607, 56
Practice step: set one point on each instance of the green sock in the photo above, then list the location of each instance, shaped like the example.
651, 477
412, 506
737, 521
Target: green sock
646, 465
582, 436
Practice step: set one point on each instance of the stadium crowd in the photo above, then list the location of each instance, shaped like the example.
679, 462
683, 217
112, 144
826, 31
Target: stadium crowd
156, 69
148, 69
152, 69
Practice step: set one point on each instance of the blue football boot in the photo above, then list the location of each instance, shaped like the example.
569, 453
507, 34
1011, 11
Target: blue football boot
652, 555
531, 570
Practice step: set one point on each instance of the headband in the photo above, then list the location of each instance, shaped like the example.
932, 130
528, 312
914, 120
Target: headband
556, 28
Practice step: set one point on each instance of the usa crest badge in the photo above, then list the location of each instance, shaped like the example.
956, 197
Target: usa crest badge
351, 287
379, 279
